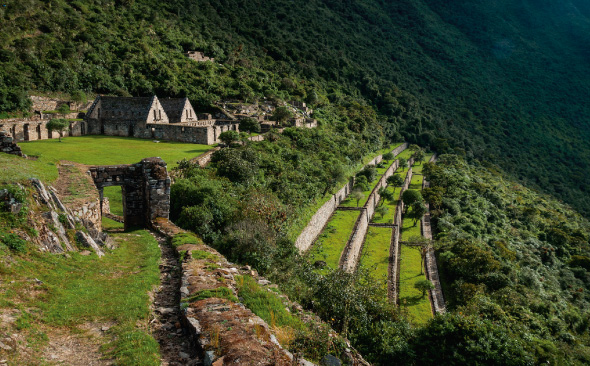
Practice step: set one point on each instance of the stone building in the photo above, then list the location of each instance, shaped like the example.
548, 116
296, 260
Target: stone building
171, 119
198, 56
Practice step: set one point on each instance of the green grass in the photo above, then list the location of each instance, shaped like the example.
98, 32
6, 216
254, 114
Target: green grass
333, 239
109, 150
185, 238
390, 217
416, 182
411, 300
17, 169
115, 199
77, 289
108, 224
417, 168
375, 256
266, 304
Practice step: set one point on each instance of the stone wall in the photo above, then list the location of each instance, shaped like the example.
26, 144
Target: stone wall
89, 214
320, 218
8, 146
36, 129
145, 189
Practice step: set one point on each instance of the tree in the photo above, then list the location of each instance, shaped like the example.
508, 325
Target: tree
381, 211
281, 114
229, 137
417, 212
357, 195
403, 163
386, 195
395, 180
423, 285
250, 125
79, 97
419, 156
59, 125
410, 196
369, 171
434, 195
361, 183
388, 156
63, 109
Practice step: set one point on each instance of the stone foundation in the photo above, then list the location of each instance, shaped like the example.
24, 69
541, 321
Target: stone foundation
8, 146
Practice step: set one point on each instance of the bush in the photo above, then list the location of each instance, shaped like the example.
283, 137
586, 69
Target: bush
14, 242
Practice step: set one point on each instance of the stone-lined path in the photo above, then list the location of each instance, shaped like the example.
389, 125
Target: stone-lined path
175, 343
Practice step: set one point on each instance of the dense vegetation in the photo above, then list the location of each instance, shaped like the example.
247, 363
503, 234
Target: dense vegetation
510, 77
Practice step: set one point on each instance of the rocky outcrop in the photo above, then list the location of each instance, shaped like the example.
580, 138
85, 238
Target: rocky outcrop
57, 229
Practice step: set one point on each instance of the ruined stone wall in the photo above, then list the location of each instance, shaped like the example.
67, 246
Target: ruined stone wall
89, 214
204, 159
145, 187
36, 129
8, 146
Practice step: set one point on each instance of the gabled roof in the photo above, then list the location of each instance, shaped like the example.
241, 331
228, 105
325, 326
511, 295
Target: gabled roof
174, 107
112, 107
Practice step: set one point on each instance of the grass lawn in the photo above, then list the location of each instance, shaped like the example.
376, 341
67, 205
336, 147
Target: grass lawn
417, 168
416, 182
332, 241
411, 300
375, 256
115, 199
108, 150
17, 169
390, 216
75, 290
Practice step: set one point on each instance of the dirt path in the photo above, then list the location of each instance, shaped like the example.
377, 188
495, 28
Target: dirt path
175, 344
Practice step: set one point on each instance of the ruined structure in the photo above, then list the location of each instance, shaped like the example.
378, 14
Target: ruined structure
145, 187
152, 118
7, 144
198, 56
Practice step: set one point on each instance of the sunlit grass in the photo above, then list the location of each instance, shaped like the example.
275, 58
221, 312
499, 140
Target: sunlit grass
375, 255
332, 241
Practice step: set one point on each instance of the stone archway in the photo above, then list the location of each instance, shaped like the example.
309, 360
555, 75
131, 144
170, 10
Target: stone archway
145, 187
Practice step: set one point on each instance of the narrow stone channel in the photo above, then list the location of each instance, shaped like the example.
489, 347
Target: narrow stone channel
175, 343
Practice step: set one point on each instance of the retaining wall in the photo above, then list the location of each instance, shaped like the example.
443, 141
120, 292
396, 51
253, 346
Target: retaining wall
321, 217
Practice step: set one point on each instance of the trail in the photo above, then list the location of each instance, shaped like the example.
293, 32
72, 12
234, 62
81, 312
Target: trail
175, 344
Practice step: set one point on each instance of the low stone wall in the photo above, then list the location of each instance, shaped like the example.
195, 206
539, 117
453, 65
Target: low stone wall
33, 129
204, 159
8, 146
89, 214
320, 218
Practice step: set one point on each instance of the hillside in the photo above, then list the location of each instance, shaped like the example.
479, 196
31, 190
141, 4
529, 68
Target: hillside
503, 82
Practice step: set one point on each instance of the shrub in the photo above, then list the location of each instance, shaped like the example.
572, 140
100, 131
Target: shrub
14, 242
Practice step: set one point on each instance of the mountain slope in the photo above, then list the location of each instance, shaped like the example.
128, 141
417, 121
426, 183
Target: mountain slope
502, 81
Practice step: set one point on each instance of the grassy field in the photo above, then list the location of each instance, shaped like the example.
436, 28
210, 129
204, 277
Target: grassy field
390, 216
106, 150
375, 256
115, 199
17, 169
416, 182
72, 291
411, 300
332, 241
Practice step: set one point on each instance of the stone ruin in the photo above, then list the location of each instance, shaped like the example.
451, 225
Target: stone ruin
198, 56
7, 144
145, 187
